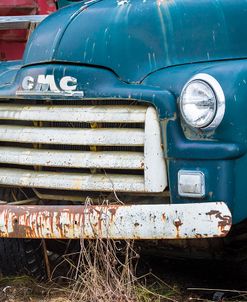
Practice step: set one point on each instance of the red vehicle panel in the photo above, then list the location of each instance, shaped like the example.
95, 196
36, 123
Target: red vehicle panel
12, 42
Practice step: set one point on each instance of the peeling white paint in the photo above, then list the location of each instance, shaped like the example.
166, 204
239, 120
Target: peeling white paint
122, 2
175, 221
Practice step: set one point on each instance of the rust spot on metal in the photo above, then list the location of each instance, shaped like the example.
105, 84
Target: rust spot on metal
213, 212
224, 223
163, 217
41, 222
113, 211
178, 223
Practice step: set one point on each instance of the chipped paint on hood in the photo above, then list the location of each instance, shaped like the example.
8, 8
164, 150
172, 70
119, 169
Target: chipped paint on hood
136, 37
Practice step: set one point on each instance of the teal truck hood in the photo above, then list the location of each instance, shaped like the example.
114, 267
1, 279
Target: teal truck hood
8, 72
134, 38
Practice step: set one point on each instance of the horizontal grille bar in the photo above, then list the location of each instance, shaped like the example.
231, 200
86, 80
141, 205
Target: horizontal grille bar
72, 136
72, 159
86, 114
71, 181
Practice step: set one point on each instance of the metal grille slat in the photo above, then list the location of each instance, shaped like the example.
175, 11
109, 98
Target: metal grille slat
72, 136
71, 181
86, 114
72, 159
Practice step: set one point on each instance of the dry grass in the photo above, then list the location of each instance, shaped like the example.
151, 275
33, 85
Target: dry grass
101, 271
106, 271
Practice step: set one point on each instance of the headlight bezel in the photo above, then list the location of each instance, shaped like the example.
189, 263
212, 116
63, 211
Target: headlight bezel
219, 96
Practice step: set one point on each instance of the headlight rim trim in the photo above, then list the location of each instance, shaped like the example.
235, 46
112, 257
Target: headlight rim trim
220, 100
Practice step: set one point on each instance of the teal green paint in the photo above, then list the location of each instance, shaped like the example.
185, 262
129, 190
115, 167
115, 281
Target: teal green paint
146, 34
8, 71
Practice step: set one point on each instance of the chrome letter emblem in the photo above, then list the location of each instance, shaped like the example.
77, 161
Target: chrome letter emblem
47, 85
28, 83
68, 83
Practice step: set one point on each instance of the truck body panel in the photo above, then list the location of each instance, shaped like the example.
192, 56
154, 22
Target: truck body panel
95, 109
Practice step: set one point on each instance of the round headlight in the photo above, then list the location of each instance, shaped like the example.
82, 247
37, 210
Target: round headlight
202, 102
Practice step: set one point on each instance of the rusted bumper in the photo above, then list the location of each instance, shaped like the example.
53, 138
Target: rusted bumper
201, 220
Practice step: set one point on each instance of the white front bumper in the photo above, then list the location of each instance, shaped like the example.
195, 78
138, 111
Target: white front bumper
180, 221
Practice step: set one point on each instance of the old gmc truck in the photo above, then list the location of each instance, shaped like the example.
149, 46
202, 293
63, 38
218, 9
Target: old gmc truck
126, 119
